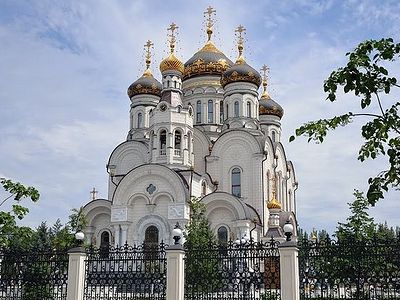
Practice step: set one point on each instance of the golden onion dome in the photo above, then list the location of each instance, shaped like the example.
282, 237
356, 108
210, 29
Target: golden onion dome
274, 204
267, 106
146, 84
209, 60
172, 63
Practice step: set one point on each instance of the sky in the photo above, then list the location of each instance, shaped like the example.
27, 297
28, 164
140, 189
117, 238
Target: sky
65, 67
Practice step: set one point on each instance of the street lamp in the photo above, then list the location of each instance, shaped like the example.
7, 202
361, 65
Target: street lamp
79, 236
288, 230
177, 233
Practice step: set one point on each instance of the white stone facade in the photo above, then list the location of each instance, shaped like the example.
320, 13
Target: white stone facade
196, 139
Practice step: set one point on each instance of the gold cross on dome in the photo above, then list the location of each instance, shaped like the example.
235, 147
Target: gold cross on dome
94, 193
171, 36
265, 71
209, 11
149, 44
240, 29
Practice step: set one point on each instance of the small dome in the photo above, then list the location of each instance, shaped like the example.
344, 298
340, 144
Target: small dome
209, 60
146, 84
274, 204
267, 106
240, 72
172, 63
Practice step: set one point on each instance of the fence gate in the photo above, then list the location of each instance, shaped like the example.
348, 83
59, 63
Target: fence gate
233, 271
352, 270
127, 272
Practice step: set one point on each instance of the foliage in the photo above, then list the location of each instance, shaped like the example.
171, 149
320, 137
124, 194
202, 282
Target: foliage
366, 76
8, 225
198, 232
360, 226
77, 220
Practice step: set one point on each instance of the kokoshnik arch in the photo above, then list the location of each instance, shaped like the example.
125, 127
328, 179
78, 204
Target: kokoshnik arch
204, 131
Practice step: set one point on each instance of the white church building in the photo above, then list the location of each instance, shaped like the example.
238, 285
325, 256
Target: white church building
204, 131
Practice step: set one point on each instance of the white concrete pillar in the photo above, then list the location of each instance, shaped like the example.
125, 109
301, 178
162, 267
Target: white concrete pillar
124, 234
116, 236
289, 265
175, 272
76, 273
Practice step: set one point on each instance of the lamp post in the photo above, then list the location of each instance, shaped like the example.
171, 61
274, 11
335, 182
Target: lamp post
79, 236
177, 233
288, 230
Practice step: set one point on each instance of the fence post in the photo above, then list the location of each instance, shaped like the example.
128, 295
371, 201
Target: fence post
175, 272
289, 265
76, 273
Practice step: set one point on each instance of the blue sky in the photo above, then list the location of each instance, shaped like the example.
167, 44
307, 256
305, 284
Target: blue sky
65, 67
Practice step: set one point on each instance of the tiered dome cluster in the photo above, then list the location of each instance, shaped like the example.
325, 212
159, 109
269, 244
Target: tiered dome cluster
209, 60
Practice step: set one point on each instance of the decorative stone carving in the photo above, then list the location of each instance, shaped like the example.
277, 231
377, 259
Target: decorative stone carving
119, 214
177, 211
151, 189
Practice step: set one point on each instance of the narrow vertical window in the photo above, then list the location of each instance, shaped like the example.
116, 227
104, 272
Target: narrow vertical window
189, 146
198, 112
203, 188
248, 109
163, 142
227, 111
236, 109
178, 142
221, 112
273, 136
222, 234
139, 120
210, 111
236, 188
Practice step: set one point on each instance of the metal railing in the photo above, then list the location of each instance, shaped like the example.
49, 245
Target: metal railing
127, 272
35, 274
246, 271
349, 270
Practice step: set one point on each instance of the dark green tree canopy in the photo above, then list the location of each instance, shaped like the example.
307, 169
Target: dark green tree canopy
367, 76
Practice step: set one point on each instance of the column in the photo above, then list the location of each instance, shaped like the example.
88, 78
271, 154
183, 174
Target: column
76, 273
117, 239
124, 234
175, 272
289, 265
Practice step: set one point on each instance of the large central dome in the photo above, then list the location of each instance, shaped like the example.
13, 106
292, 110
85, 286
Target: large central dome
209, 60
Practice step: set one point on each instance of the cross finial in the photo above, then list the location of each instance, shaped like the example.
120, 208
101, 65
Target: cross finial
265, 71
240, 39
210, 22
149, 45
94, 193
172, 36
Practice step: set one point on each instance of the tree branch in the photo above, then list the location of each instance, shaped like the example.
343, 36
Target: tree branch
367, 115
2, 202
380, 104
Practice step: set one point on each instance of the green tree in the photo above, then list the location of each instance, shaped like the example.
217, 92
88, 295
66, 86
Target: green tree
77, 220
8, 225
359, 226
367, 77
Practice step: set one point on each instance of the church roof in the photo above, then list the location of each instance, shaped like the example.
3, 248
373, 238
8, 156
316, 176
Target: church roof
209, 60
241, 72
146, 84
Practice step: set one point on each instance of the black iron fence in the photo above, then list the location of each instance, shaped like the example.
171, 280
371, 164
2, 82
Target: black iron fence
33, 275
233, 271
349, 270
127, 272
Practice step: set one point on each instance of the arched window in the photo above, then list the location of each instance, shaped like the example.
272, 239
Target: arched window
139, 120
248, 109
273, 136
151, 136
203, 188
151, 242
198, 112
177, 143
104, 244
179, 108
210, 111
227, 111
163, 142
222, 234
236, 188
221, 112
236, 109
